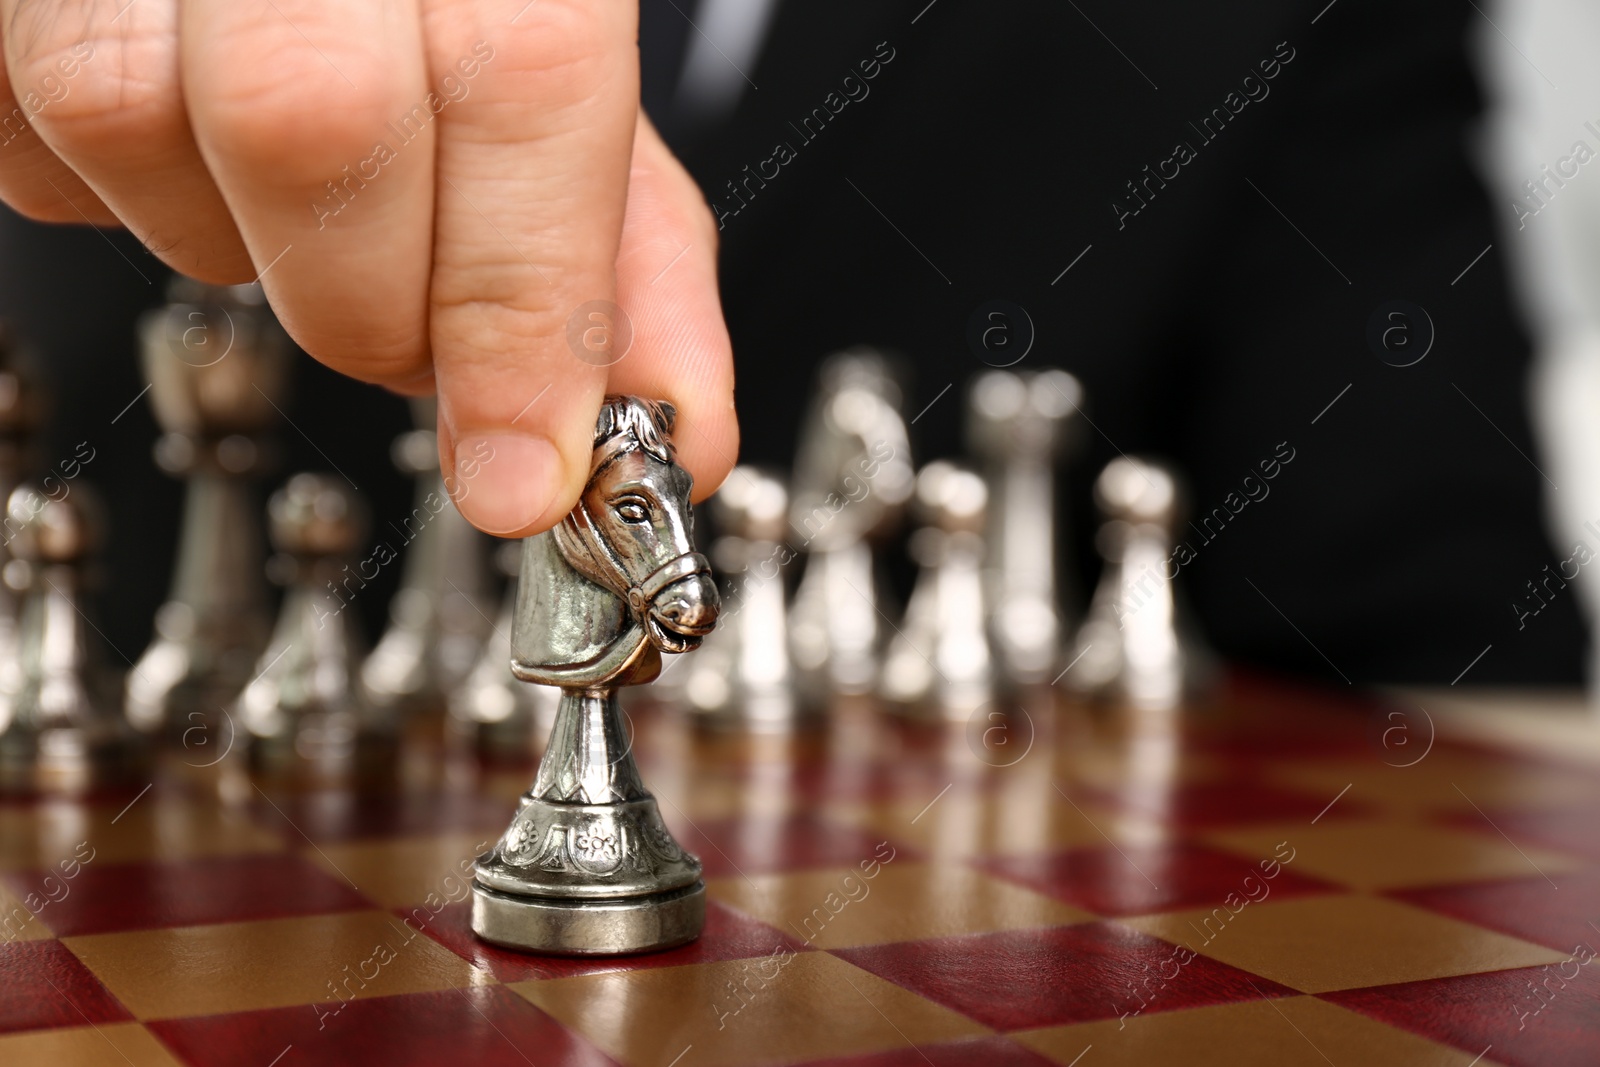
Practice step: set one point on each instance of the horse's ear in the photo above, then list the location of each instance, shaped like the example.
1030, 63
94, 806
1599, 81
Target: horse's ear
669, 416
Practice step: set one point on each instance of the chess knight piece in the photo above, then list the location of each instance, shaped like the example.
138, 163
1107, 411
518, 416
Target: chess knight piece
216, 360
587, 867
438, 618
304, 714
852, 476
939, 663
1135, 647
1021, 423
60, 728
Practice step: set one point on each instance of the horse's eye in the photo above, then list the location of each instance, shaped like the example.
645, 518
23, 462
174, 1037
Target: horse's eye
632, 511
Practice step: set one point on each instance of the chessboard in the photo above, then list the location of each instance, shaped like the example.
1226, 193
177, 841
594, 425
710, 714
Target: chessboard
1282, 875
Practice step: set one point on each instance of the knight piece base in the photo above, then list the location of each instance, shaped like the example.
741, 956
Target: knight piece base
614, 927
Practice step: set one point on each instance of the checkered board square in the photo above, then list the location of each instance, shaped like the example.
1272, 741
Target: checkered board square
1266, 883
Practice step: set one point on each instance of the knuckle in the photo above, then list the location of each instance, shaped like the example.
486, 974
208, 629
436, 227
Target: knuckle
101, 97
292, 112
563, 52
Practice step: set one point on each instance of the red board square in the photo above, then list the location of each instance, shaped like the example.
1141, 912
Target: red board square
1195, 805
1475, 1012
1021, 979
486, 1027
346, 815
989, 1051
43, 986
1528, 908
766, 844
728, 936
216, 889
1574, 830
1140, 881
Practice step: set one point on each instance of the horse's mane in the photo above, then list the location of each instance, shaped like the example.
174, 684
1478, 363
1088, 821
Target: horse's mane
647, 422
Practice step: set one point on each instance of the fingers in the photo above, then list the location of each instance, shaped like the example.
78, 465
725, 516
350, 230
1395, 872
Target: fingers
533, 177
667, 286
317, 120
33, 179
102, 84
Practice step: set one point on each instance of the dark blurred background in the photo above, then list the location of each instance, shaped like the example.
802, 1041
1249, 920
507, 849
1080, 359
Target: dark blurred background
986, 155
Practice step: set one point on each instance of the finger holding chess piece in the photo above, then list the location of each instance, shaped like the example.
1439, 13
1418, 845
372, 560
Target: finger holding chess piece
741, 677
304, 714
491, 712
1134, 647
216, 361
939, 663
61, 729
587, 867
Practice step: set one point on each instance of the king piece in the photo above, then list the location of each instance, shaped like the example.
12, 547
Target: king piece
587, 867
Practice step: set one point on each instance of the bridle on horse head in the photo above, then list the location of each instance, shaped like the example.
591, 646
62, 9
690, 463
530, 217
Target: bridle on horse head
591, 555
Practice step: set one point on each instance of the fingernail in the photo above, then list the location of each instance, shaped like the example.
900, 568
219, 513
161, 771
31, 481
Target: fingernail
505, 482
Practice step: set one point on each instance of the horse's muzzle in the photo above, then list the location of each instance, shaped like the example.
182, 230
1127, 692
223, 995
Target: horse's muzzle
683, 613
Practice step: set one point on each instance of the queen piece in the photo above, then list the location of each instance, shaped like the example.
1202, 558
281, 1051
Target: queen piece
587, 867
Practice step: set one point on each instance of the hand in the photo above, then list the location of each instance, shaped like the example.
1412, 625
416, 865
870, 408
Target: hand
428, 190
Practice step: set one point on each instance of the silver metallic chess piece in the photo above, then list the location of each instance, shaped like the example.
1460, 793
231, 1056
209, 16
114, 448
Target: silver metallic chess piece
1132, 647
852, 477
21, 411
491, 711
217, 363
741, 677
61, 730
1021, 424
587, 867
304, 713
439, 617
939, 662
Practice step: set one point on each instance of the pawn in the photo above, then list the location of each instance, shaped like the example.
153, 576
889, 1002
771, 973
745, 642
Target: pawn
1130, 649
741, 677
491, 711
439, 617
304, 712
940, 663
61, 730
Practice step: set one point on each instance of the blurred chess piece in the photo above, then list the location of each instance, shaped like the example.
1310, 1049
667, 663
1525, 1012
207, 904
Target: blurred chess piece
492, 712
217, 363
21, 411
61, 730
939, 662
1134, 647
741, 676
1020, 424
852, 477
439, 618
305, 712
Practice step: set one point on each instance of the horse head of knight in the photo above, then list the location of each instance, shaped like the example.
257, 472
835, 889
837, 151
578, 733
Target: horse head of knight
618, 581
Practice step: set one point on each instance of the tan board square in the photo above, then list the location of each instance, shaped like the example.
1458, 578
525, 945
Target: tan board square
18, 922
742, 1013
1005, 821
1290, 1032
85, 1046
203, 970
905, 902
1442, 781
1343, 942
404, 871
43, 835
1394, 853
